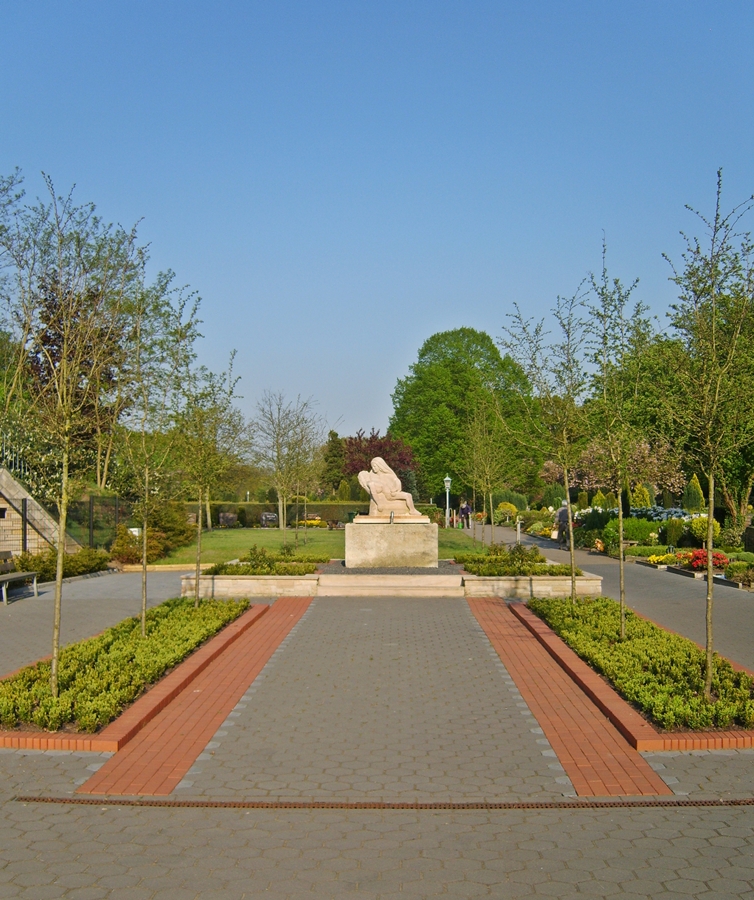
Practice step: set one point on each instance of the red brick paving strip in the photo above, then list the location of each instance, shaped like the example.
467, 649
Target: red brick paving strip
164, 750
638, 732
595, 756
119, 732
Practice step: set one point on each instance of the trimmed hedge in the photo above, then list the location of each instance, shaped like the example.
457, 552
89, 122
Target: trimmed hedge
275, 568
499, 561
659, 672
98, 677
84, 562
261, 561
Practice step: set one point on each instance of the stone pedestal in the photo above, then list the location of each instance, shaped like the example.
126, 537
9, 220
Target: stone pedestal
374, 542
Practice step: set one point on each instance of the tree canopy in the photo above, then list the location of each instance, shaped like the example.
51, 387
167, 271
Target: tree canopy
433, 404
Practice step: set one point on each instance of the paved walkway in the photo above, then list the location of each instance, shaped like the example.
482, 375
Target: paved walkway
156, 760
377, 699
595, 756
396, 700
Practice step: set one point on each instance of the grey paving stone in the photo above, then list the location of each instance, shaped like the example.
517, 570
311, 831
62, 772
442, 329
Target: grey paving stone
403, 699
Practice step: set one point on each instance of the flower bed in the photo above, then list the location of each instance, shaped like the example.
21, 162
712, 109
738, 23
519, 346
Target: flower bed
98, 677
659, 672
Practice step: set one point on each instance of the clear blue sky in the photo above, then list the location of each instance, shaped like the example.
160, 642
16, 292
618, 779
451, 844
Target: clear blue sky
341, 180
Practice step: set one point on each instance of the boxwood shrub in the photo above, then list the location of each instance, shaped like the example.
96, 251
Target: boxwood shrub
274, 568
84, 562
500, 561
659, 672
98, 677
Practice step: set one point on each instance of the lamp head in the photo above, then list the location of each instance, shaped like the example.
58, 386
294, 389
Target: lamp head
446, 482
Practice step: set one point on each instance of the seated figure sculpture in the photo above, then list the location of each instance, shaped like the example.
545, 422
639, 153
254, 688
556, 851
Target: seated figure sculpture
384, 489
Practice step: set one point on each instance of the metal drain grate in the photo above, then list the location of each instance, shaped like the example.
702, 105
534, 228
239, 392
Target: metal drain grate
342, 804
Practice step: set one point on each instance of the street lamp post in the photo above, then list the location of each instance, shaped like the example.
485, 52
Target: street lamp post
446, 482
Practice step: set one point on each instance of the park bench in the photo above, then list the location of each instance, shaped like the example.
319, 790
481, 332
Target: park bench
9, 574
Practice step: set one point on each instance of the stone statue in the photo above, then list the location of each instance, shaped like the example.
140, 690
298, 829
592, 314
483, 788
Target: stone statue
384, 489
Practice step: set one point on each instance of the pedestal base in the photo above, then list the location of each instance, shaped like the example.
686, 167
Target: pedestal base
373, 545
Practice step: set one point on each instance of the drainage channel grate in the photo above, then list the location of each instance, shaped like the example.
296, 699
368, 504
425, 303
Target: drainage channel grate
343, 804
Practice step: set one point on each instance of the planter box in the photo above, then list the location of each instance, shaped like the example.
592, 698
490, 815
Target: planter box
251, 585
649, 565
522, 587
687, 573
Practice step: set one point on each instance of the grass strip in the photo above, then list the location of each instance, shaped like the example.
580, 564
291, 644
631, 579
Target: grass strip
100, 676
660, 673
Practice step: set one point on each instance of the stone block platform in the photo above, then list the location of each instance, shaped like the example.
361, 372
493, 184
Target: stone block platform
372, 542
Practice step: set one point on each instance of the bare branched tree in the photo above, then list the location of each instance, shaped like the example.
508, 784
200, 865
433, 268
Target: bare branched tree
552, 420
286, 435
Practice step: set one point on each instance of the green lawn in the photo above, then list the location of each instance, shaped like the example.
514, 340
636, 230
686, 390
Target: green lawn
223, 544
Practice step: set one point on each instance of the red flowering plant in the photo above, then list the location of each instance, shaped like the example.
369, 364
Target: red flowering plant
698, 560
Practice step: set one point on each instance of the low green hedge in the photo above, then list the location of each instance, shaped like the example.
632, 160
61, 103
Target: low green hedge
275, 568
661, 673
98, 677
500, 570
645, 552
84, 562
500, 561
261, 561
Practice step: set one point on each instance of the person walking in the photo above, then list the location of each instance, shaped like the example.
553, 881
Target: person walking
561, 519
465, 514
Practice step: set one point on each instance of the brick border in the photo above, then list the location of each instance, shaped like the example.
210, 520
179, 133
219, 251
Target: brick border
118, 733
639, 733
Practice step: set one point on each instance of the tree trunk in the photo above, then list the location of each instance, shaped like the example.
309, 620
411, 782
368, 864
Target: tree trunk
144, 542
710, 585
621, 574
198, 570
62, 521
305, 499
209, 513
296, 536
144, 576
492, 522
572, 549
281, 511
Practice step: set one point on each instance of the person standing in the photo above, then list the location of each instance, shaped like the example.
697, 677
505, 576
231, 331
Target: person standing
465, 514
561, 519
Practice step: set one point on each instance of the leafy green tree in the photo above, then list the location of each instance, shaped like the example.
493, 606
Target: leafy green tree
487, 455
711, 410
67, 285
432, 404
159, 351
212, 438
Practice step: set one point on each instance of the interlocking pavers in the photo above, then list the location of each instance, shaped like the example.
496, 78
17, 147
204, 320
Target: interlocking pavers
156, 760
408, 716
596, 757
392, 700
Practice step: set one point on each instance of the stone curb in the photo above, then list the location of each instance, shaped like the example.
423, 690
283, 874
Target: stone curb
118, 733
635, 729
